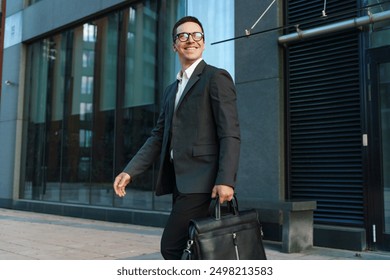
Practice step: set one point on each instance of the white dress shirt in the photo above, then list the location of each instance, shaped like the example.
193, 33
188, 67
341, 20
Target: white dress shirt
183, 78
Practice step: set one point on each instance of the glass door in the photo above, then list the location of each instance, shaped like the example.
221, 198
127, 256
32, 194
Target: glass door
379, 148
384, 89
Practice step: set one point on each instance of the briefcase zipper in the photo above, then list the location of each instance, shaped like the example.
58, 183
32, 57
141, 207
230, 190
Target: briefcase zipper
235, 245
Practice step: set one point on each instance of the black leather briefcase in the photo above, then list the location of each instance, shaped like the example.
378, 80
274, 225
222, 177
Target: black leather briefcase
232, 236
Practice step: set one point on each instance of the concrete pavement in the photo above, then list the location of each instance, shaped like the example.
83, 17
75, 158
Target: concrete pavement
34, 236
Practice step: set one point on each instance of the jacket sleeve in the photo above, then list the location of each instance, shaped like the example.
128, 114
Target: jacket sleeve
223, 102
151, 149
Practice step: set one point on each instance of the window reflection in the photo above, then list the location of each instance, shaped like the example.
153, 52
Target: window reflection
86, 118
140, 56
88, 58
89, 33
86, 84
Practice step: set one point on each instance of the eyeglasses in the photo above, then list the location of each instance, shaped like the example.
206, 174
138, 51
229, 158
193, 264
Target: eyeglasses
185, 36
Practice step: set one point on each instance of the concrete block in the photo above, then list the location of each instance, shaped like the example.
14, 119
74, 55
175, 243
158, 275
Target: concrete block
297, 231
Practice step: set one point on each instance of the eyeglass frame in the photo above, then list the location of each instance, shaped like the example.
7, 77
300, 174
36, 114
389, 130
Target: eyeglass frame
188, 34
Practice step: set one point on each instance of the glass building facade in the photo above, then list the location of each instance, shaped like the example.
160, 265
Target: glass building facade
92, 99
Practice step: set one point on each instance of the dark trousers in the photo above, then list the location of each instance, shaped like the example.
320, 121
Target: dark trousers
175, 235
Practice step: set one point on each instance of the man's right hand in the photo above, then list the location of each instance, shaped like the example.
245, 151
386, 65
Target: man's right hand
120, 183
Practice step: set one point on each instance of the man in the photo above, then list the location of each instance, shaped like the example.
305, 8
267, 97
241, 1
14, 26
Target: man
197, 137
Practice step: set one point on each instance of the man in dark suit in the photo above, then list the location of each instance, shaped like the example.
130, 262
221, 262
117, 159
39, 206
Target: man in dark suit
197, 137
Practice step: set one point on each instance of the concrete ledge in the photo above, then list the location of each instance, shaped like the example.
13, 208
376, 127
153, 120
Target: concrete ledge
296, 218
6, 203
128, 216
340, 237
287, 205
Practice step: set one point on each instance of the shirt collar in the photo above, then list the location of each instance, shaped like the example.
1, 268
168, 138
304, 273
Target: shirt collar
188, 72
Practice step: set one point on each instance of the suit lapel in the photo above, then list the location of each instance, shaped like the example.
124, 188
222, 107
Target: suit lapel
171, 100
194, 78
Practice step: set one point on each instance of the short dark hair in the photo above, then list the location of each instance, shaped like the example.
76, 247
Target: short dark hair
184, 20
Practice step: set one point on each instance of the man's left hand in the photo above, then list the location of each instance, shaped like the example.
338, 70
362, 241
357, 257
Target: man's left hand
224, 192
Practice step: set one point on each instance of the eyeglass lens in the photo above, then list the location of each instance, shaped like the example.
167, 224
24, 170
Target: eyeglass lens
196, 36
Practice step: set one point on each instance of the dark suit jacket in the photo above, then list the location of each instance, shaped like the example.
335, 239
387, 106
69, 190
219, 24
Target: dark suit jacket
203, 131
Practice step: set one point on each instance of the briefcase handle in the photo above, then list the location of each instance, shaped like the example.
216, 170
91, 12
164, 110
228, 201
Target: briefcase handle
232, 207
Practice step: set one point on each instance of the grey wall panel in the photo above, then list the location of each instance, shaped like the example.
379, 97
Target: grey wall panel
260, 101
257, 56
13, 6
10, 92
8, 118
260, 162
7, 157
48, 15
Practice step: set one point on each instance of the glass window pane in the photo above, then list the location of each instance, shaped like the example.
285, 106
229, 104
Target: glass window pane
77, 143
35, 180
55, 96
140, 56
139, 110
45, 95
104, 115
384, 71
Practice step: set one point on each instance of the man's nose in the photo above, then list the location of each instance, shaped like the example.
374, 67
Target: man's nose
190, 39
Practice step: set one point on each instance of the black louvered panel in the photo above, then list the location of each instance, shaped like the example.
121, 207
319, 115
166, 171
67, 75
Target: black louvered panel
325, 153
309, 13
